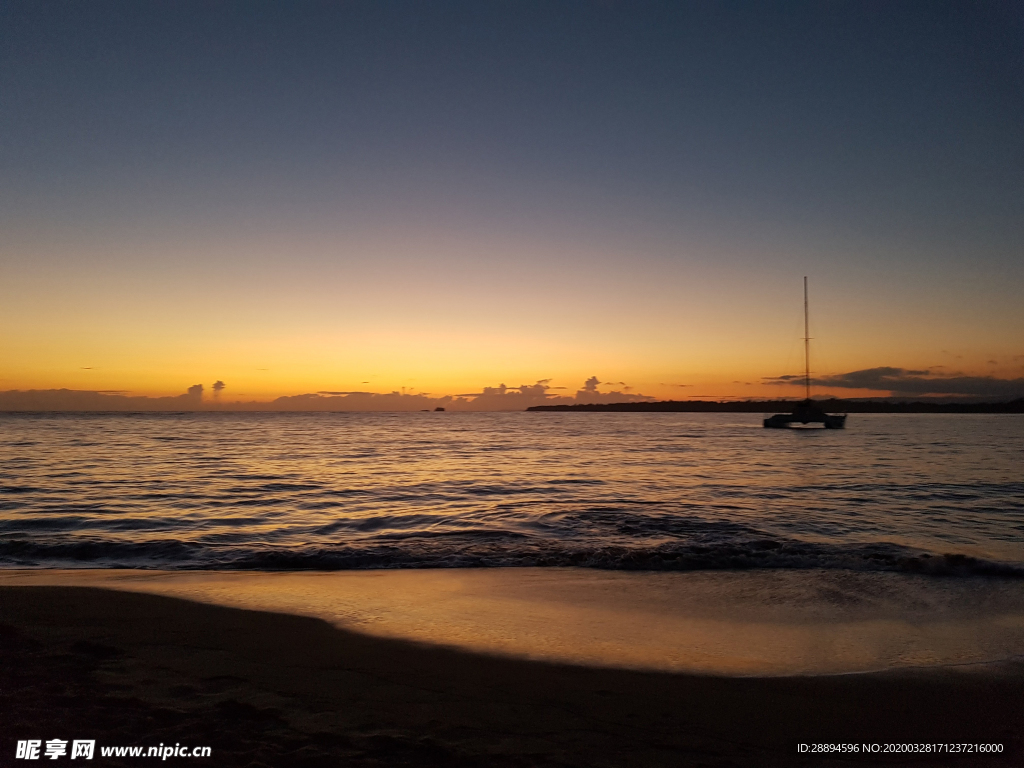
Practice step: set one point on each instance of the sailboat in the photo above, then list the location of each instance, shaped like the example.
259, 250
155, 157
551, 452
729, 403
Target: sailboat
806, 412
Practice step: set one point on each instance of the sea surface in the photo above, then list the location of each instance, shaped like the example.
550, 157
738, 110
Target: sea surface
930, 494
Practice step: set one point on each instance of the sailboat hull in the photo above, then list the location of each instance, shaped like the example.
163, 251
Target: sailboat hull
788, 420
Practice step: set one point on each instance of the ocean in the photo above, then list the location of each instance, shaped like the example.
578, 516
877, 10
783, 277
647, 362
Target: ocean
926, 494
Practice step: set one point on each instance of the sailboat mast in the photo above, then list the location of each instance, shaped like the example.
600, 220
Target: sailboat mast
807, 346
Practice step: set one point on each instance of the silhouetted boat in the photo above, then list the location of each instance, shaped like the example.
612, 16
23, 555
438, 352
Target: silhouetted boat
806, 412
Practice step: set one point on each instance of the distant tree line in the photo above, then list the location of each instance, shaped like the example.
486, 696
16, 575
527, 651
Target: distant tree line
833, 405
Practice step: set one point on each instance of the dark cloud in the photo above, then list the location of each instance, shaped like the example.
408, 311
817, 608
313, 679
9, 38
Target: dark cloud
902, 382
591, 394
506, 398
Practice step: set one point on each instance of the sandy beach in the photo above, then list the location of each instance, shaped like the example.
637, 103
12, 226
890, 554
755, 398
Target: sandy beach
271, 688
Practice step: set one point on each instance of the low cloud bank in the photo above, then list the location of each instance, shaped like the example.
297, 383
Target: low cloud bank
500, 398
901, 382
84, 400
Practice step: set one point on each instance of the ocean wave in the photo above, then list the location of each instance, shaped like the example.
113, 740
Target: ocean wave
490, 549
659, 492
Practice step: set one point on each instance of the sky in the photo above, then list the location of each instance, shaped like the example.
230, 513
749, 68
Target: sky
452, 198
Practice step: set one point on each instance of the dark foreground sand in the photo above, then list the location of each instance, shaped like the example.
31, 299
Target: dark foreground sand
280, 690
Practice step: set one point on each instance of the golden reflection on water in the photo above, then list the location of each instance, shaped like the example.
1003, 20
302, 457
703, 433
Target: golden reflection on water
734, 623
658, 491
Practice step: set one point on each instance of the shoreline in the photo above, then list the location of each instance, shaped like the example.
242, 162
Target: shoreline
829, 404
891, 406
129, 668
736, 623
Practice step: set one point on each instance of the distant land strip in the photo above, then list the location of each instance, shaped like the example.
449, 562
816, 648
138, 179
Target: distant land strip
833, 405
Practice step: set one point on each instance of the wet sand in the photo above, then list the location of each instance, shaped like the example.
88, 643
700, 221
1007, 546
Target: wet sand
766, 622
264, 688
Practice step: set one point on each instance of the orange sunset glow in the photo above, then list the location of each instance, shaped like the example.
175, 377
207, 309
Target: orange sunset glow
314, 221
